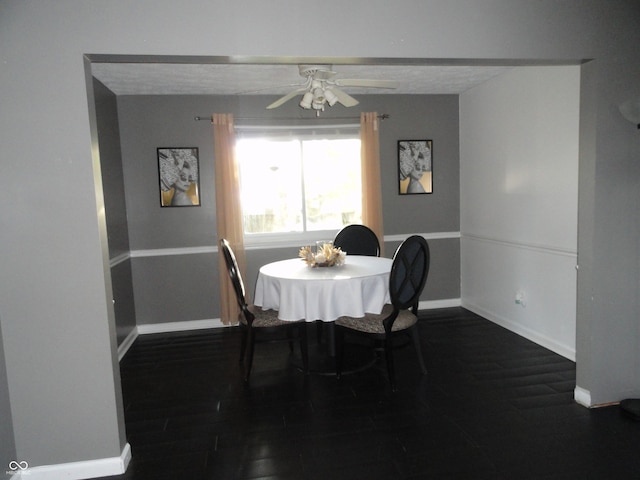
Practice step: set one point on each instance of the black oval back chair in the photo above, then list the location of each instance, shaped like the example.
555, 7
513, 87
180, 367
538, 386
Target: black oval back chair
407, 279
253, 319
357, 239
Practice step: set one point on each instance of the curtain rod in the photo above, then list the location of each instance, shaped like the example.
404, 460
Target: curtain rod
382, 116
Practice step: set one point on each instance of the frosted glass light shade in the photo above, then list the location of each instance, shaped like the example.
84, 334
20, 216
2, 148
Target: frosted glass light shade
306, 100
331, 97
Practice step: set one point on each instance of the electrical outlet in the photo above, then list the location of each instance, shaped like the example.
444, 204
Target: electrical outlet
520, 299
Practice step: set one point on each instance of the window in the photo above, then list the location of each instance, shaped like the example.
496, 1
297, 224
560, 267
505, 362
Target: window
299, 183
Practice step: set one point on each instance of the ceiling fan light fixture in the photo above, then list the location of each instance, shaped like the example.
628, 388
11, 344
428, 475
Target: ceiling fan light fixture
331, 97
321, 88
318, 95
306, 101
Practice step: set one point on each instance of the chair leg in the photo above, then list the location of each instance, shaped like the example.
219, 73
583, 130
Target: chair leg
251, 345
415, 335
319, 330
243, 342
290, 337
339, 347
330, 331
304, 350
388, 352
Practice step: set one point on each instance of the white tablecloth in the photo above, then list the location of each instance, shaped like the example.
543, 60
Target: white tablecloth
298, 292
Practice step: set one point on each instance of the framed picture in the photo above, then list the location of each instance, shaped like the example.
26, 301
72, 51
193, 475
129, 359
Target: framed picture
415, 166
178, 171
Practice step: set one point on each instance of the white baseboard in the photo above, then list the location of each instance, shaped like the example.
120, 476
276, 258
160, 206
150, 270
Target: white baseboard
127, 342
180, 326
535, 337
435, 304
582, 397
168, 327
103, 467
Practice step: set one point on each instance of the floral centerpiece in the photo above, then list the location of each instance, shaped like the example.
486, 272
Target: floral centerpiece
326, 256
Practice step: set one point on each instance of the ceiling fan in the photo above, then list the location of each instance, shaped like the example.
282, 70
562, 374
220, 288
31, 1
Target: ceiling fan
321, 88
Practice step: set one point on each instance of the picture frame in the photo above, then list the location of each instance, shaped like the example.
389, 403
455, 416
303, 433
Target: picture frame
179, 178
415, 167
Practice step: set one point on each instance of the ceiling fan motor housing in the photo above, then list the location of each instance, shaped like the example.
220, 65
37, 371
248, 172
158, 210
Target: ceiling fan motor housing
313, 70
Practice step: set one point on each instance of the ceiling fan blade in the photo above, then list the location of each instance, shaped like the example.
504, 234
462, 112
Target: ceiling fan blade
354, 82
286, 98
345, 99
258, 90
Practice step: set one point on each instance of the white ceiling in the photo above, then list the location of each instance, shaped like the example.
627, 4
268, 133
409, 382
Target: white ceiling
279, 79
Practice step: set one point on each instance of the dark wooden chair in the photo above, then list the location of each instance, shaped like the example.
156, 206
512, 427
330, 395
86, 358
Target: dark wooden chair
354, 239
407, 279
257, 322
358, 239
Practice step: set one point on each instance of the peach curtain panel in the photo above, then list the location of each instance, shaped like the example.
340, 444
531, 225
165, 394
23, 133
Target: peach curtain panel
228, 210
371, 182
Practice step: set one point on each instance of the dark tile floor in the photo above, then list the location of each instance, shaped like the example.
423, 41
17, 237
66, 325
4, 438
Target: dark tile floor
493, 406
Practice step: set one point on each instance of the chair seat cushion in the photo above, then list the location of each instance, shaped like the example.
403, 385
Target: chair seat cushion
372, 322
264, 318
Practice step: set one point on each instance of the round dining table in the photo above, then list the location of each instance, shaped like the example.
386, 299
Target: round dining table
323, 294
300, 292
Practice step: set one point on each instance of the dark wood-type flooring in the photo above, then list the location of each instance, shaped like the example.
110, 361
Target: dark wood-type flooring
493, 406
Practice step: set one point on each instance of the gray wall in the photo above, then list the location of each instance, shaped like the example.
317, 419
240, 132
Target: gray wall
7, 443
111, 169
171, 288
55, 286
115, 209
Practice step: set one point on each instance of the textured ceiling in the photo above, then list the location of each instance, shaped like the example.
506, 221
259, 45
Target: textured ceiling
279, 79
